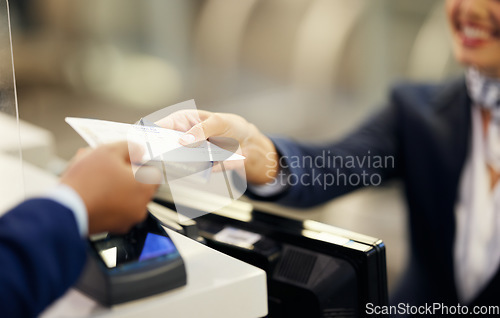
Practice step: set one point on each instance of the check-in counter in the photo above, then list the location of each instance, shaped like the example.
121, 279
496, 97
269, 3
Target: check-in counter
217, 286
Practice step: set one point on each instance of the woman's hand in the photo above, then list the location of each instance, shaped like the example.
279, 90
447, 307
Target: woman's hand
261, 156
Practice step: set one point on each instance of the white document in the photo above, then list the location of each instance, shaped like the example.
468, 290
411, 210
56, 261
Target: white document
160, 144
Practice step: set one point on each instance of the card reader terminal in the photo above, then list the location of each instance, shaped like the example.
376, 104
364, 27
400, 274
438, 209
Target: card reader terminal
141, 263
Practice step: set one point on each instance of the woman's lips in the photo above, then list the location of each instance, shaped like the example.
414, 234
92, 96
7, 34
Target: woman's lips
474, 37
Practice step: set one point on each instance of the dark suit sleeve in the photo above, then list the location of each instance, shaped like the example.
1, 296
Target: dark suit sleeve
314, 174
41, 256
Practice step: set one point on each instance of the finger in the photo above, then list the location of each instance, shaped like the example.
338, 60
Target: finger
230, 144
183, 120
135, 152
145, 192
80, 154
128, 151
120, 148
214, 125
180, 121
167, 122
149, 175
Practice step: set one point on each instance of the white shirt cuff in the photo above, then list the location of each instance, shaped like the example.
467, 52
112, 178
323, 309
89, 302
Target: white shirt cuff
66, 196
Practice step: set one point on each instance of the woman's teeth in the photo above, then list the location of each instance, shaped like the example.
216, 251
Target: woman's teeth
475, 33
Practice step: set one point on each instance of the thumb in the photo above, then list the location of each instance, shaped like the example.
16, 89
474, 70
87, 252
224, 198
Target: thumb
135, 152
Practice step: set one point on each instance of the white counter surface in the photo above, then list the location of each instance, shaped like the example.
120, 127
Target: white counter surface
218, 286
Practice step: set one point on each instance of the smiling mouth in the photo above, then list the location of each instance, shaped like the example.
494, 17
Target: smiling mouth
474, 36
474, 33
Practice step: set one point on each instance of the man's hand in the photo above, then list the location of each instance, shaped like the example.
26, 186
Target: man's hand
261, 156
103, 178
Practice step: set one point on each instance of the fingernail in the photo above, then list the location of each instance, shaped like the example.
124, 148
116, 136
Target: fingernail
188, 139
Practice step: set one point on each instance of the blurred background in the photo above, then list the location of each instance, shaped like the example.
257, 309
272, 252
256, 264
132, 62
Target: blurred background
309, 69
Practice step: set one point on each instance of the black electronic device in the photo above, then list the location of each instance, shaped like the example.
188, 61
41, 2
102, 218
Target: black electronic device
126, 267
313, 269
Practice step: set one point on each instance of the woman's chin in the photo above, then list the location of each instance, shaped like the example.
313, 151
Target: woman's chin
485, 66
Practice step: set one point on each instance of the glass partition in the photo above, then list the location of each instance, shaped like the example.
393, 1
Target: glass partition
11, 173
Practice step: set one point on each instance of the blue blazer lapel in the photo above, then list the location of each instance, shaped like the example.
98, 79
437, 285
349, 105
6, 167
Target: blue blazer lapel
453, 116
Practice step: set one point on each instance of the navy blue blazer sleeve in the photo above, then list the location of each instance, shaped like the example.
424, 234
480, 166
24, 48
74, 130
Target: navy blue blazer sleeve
41, 256
316, 173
